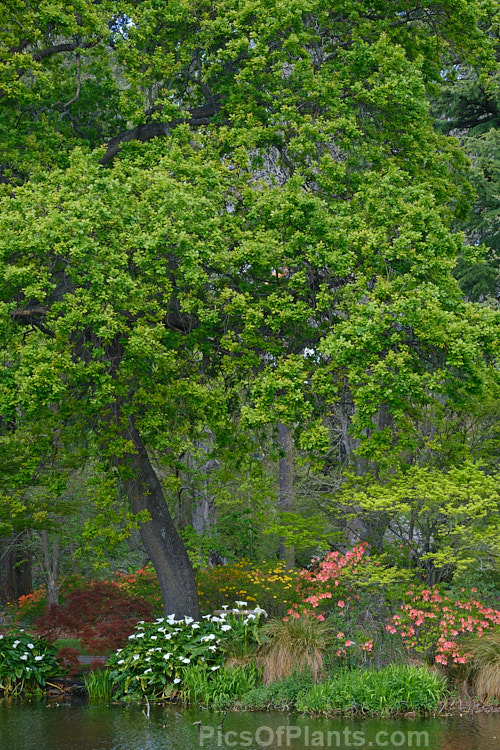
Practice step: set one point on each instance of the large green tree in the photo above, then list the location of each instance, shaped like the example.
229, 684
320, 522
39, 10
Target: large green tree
270, 218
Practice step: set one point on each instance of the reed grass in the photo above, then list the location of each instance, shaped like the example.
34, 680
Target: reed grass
99, 686
220, 689
485, 666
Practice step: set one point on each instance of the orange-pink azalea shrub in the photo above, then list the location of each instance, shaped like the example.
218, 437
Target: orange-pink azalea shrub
434, 624
332, 578
333, 583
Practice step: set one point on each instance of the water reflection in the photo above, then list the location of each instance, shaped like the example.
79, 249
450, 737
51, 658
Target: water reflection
63, 727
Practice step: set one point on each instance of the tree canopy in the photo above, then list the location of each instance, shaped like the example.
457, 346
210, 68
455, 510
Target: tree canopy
238, 209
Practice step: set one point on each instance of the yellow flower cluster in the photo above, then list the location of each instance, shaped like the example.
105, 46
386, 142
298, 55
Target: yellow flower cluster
269, 585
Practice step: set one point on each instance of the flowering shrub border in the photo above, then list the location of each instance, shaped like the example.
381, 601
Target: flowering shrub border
332, 578
338, 587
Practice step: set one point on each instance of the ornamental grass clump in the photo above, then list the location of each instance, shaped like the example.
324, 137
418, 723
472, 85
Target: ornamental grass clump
26, 663
297, 644
485, 665
158, 654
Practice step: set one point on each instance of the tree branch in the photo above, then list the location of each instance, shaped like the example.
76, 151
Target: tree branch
33, 316
48, 52
197, 116
65, 47
78, 83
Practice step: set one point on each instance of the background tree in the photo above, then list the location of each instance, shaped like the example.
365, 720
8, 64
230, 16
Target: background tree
445, 523
468, 107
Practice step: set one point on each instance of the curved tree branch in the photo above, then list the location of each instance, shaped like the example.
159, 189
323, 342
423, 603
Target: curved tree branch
65, 47
197, 116
47, 52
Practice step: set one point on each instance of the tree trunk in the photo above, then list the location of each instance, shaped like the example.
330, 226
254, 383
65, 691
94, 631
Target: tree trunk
15, 569
159, 535
202, 509
366, 527
286, 493
51, 567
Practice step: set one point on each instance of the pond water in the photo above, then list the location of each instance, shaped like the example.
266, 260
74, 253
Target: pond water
40, 726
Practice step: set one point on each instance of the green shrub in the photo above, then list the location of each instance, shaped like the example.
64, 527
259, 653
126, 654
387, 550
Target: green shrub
69, 643
220, 689
395, 689
282, 694
257, 699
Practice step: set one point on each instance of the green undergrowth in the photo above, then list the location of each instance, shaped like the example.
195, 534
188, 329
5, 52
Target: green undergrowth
281, 695
393, 690
221, 690
75, 643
